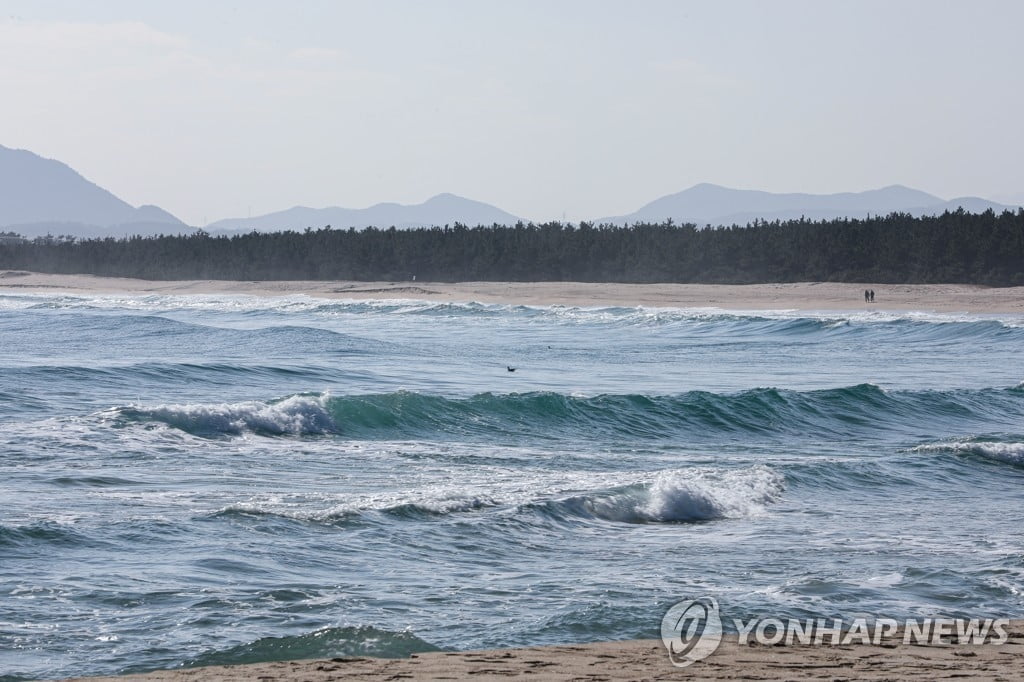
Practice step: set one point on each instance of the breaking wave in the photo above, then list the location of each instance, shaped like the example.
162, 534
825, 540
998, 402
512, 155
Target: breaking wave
1008, 452
696, 415
669, 496
680, 496
294, 415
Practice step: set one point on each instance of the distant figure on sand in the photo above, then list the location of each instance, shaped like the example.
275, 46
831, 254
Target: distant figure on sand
872, 292
867, 296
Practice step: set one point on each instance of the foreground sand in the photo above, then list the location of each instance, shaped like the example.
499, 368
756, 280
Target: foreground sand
647, 660
796, 296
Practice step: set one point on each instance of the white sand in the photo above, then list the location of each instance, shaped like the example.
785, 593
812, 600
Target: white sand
795, 296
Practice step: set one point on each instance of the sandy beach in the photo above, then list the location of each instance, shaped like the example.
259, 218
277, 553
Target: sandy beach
951, 298
647, 660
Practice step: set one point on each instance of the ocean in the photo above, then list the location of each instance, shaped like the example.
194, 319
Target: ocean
191, 480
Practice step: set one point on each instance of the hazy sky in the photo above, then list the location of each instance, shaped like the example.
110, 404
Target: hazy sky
218, 109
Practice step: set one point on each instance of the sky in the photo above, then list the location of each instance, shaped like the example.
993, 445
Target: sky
547, 109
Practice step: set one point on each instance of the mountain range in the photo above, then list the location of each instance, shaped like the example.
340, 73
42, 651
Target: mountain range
707, 204
442, 209
42, 196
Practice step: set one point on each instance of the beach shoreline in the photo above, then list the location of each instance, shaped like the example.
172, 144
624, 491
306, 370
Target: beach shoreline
891, 659
807, 296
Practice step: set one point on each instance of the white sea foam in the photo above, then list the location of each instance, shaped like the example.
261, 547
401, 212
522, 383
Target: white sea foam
331, 508
678, 495
711, 494
887, 580
682, 495
1009, 452
629, 315
296, 415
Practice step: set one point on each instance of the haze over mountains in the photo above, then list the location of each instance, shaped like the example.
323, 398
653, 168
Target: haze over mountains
42, 196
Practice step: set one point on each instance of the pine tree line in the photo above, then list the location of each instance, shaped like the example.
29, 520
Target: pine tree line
956, 246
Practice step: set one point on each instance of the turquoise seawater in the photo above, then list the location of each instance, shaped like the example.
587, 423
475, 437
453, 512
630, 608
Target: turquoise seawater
219, 479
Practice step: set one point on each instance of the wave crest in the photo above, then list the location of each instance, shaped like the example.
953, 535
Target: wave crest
397, 505
1008, 452
838, 412
40, 533
679, 496
296, 415
668, 496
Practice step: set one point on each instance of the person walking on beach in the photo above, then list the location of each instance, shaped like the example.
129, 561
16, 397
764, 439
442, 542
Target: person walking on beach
872, 292
866, 296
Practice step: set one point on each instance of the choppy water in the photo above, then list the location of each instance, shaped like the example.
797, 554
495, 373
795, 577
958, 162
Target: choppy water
188, 480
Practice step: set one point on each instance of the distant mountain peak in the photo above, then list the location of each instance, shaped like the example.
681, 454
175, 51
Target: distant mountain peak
41, 192
440, 209
709, 204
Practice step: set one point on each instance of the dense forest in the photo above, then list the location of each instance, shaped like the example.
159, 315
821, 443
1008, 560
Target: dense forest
954, 247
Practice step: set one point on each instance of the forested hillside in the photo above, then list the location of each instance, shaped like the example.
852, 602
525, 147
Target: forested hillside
981, 248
